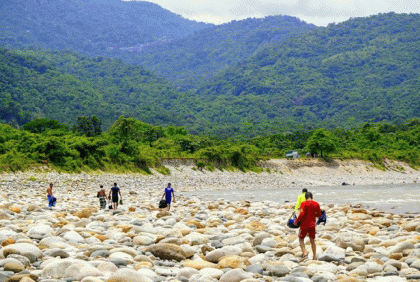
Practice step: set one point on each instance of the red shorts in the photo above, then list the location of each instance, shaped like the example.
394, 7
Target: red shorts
307, 231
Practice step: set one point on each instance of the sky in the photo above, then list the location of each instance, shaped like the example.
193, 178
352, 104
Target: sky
318, 12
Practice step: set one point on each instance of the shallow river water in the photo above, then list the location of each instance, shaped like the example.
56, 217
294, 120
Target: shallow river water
396, 198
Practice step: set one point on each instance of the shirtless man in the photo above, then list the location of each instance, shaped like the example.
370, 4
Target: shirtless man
50, 196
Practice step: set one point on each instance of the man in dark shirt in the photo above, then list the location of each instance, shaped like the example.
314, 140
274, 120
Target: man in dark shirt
115, 191
309, 211
168, 194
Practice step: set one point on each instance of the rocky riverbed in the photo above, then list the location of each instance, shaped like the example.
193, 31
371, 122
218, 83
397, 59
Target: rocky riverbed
196, 241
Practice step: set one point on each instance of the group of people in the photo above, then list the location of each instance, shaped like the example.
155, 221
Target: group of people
114, 196
309, 210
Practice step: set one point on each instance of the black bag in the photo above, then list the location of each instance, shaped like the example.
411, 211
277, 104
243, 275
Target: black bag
291, 222
163, 204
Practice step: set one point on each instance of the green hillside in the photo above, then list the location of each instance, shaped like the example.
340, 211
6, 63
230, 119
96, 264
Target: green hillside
365, 69
64, 85
89, 26
342, 75
191, 60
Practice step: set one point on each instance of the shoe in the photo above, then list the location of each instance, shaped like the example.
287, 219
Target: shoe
303, 258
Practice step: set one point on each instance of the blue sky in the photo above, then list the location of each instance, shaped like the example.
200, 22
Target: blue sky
318, 12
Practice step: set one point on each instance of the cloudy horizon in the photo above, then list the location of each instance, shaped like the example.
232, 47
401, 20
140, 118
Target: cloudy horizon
318, 12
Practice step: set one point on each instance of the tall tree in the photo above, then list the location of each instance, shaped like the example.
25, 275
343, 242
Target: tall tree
322, 142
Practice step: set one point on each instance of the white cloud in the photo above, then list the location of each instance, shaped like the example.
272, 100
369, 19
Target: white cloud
319, 12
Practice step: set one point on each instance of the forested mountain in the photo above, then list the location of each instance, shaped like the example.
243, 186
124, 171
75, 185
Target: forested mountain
142, 33
89, 26
365, 69
64, 85
189, 61
345, 74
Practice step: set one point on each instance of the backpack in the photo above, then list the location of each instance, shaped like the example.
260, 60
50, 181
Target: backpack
163, 204
322, 218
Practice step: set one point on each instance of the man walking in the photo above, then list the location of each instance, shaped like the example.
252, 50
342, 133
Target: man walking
114, 192
168, 194
300, 199
50, 196
309, 211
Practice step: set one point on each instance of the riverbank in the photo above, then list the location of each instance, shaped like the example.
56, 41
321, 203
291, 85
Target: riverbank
197, 241
277, 173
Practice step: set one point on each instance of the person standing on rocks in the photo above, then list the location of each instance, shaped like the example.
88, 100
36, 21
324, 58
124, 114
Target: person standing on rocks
300, 200
51, 199
168, 195
309, 211
114, 193
102, 197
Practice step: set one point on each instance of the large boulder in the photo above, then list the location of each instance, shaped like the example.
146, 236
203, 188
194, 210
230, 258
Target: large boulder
143, 240
56, 268
235, 275
167, 251
74, 237
215, 255
232, 262
27, 250
400, 247
195, 238
40, 231
350, 240
128, 275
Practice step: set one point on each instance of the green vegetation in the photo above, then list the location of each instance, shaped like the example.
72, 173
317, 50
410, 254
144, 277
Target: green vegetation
364, 69
65, 86
189, 61
132, 145
94, 27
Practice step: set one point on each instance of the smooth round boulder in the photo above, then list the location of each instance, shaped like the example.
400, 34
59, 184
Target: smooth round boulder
128, 275
15, 267
215, 255
40, 231
27, 250
74, 238
235, 275
167, 251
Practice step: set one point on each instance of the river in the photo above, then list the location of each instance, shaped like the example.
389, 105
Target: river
400, 198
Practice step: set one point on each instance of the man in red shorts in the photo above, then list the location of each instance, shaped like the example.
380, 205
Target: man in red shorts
309, 211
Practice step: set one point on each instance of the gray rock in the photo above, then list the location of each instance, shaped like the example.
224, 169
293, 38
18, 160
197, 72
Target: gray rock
128, 275
291, 278
259, 238
24, 260
100, 253
399, 248
215, 255
416, 264
118, 261
278, 270
235, 275
332, 253
56, 253
187, 272
413, 276
255, 268
27, 250
202, 278
354, 265
263, 249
